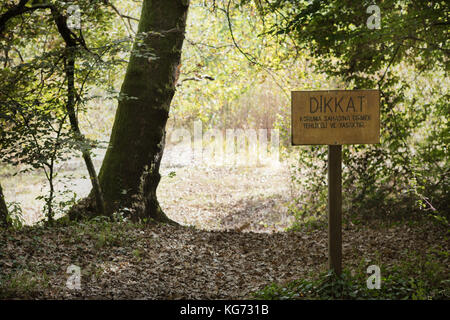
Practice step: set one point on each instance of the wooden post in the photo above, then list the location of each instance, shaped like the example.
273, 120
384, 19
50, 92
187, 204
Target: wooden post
335, 208
309, 128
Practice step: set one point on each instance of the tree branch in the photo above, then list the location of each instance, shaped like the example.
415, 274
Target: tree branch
17, 11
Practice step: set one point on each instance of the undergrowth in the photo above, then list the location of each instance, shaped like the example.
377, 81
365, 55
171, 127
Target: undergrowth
414, 279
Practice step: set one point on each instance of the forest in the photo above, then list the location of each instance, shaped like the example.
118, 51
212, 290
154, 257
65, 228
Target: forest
224, 150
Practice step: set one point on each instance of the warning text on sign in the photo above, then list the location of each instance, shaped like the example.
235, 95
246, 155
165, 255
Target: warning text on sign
335, 117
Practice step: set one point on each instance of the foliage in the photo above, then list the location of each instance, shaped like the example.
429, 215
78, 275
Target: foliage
414, 279
407, 59
240, 59
23, 284
35, 106
230, 78
15, 217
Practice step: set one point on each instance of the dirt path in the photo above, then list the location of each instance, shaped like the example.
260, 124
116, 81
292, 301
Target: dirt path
246, 198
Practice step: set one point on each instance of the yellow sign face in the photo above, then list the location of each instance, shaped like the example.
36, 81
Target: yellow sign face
335, 117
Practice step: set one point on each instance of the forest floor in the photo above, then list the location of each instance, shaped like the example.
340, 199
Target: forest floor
128, 261
232, 242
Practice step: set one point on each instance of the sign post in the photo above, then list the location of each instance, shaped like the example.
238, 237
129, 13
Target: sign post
335, 208
334, 118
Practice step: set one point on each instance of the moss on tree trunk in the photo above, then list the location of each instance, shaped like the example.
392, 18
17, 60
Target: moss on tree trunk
130, 169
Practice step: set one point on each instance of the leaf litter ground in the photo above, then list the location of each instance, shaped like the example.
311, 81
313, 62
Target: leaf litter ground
236, 244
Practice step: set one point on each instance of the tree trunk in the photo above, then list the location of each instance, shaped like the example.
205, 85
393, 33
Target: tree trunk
70, 107
71, 46
130, 169
3, 209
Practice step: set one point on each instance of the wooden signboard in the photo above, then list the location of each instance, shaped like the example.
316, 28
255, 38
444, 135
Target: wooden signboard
335, 117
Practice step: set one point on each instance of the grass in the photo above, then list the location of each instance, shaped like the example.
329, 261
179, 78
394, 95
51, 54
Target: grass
23, 284
415, 278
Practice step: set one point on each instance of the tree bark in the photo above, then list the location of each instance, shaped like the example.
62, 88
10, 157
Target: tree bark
130, 169
3, 209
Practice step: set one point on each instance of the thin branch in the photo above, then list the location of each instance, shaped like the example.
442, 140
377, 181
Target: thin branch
18, 10
123, 17
247, 56
390, 63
